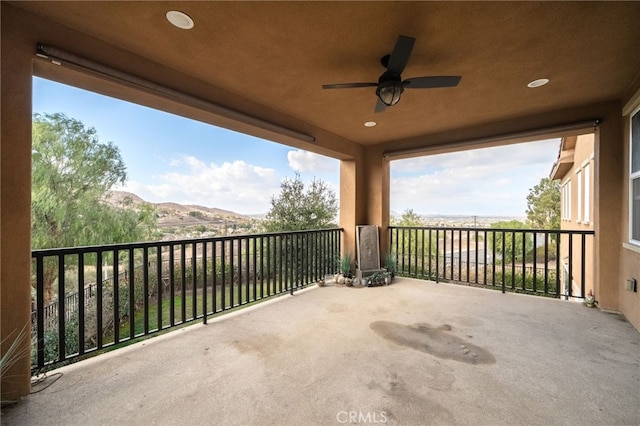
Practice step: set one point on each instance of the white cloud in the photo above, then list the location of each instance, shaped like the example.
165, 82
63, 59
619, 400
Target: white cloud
491, 181
305, 161
236, 186
506, 157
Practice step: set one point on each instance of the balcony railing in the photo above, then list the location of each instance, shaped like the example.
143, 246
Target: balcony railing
554, 263
92, 298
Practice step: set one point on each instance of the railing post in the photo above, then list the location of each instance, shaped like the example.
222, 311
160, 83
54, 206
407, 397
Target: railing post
493, 259
437, 255
214, 277
535, 254
61, 310
504, 243
558, 260
205, 310
582, 265
570, 261
546, 262
40, 309
116, 298
468, 258
513, 260
145, 289
422, 255
255, 267
160, 286
132, 307
81, 303
194, 281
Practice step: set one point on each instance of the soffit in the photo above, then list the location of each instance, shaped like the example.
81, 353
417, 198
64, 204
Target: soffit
278, 55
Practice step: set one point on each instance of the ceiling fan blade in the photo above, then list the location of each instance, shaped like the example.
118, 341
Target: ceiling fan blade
348, 85
380, 106
431, 82
400, 55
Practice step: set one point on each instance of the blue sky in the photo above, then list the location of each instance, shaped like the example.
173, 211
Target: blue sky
170, 158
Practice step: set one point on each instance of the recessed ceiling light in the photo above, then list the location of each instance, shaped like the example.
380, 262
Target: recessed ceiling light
370, 123
180, 19
539, 82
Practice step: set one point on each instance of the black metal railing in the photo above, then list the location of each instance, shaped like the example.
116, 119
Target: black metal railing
552, 263
92, 298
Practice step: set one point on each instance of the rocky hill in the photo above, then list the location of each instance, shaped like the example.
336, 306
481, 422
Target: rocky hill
187, 221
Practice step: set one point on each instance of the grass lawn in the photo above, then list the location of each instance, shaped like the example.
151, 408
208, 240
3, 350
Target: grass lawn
240, 297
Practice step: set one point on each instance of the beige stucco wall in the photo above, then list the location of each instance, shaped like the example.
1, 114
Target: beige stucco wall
352, 201
609, 148
628, 302
583, 154
15, 200
377, 172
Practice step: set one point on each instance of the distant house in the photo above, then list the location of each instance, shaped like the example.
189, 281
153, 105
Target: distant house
574, 169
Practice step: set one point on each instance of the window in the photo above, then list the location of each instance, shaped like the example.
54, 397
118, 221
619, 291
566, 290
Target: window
586, 174
579, 193
566, 201
634, 178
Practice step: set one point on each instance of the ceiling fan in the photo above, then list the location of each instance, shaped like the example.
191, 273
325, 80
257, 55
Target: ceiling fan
390, 84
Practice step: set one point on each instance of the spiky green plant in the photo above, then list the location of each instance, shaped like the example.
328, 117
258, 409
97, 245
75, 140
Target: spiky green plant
346, 261
390, 263
17, 350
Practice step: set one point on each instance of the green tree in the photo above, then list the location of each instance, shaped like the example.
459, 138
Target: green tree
410, 218
412, 245
508, 242
543, 205
296, 209
72, 172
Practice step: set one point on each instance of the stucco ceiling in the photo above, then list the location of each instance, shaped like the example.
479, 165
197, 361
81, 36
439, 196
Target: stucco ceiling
278, 55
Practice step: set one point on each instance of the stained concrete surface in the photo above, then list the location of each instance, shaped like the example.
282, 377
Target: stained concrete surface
414, 352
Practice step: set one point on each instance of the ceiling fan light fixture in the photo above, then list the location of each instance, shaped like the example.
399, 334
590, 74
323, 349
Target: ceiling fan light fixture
389, 92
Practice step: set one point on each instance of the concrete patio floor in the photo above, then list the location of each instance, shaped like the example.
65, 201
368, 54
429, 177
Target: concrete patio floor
414, 352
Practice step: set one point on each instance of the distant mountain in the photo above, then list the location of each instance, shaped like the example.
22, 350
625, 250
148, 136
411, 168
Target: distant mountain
187, 208
122, 198
180, 215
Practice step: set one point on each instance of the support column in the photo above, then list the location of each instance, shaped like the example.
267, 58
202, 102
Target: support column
364, 196
352, 201
377, 172
609, 173
15, 202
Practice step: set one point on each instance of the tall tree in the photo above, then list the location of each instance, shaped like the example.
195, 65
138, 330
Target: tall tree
296, 209
410, 218
543, 205
72, 172
413, 246
512, 240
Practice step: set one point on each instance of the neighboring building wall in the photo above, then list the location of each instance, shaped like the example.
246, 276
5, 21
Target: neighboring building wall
575, 170
628, 301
